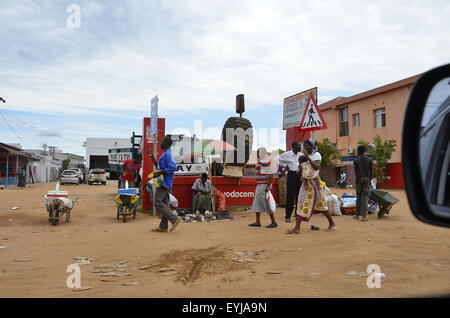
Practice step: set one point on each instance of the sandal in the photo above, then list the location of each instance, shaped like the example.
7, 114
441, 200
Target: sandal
158, 229
315, 228
271, 226
255, 225
332, 228
294, 231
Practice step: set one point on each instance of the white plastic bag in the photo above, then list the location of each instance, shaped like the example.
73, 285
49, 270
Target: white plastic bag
271, 202
348, 203
173, 201
333, 205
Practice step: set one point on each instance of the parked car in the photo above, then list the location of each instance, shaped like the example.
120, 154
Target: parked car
80, 174
69, 176
97, 176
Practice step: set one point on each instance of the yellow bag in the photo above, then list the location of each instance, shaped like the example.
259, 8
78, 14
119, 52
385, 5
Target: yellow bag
134, 198
158, 181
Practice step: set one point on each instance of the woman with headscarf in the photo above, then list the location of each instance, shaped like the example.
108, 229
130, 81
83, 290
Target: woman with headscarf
264, 176
311, 199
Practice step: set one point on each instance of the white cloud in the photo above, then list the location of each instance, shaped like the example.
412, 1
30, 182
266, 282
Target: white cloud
197, 55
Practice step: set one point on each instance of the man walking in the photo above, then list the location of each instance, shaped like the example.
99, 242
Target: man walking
289, 162
166, 167
363, 172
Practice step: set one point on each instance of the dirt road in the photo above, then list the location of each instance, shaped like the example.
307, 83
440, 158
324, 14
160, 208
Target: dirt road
197, 259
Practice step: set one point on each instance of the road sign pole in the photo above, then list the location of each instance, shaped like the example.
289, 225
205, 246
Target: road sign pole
155, 153
154, 133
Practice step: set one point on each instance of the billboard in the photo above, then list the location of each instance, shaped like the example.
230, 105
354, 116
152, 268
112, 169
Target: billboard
294, 108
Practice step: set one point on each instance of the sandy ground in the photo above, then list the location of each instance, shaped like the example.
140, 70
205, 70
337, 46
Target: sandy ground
414, 256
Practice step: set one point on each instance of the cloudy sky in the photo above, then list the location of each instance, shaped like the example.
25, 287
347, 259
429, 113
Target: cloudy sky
64, 84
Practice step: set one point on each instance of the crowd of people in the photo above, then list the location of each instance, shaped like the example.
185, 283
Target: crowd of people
305, 195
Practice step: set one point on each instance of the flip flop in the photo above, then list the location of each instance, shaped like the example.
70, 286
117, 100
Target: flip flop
254, 225
333, 228
271, 226
158, 229
315, 228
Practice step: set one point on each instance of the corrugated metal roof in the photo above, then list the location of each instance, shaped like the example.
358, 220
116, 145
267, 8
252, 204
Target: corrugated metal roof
16, 151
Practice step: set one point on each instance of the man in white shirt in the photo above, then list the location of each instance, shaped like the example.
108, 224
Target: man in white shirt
342, 182
289, 162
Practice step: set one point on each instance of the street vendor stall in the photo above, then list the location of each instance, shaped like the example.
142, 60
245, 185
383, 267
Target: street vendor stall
239, 192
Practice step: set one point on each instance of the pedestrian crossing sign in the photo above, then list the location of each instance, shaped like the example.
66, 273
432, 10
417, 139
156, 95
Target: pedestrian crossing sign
312, 117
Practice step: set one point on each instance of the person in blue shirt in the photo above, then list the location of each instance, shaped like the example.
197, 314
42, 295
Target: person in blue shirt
167, 167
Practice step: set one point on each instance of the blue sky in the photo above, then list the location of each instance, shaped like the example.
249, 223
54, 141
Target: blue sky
97, 80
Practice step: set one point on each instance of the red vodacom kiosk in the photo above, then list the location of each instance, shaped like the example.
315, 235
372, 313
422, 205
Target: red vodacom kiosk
239, 192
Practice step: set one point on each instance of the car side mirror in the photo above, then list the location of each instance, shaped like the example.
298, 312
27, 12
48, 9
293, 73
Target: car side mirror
426, 147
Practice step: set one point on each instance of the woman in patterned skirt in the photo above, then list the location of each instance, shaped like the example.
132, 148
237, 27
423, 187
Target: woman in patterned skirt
311, 199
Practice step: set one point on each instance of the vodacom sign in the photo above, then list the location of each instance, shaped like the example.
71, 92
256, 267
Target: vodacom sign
236, 194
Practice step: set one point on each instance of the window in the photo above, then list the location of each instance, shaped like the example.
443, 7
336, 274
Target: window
356, 120
343, 118
380, 117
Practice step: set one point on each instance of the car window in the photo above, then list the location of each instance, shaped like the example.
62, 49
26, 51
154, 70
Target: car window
438, 100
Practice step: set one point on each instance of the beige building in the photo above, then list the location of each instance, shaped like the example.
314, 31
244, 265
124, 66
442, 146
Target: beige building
379, 111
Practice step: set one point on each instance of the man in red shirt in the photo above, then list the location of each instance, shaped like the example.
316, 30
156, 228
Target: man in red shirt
130, 172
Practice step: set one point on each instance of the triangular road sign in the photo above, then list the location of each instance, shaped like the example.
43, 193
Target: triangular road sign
312, 118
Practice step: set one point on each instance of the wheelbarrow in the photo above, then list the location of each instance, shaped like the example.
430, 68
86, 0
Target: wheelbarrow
58, 203
385, 201
57, 206
127, 205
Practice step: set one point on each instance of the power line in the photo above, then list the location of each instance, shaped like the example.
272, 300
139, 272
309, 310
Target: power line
6, 121
41, 130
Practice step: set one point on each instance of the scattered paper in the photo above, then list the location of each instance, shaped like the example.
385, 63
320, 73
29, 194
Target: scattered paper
131, 284
15, 208
115, 274
84, 260
82, 289
161, 270
379, 275
169, 273
363, 274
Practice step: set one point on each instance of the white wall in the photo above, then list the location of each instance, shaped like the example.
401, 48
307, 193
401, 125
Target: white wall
47, 169
101, 146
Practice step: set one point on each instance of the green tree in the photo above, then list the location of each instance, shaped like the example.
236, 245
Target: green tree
329, 152
65, 165
381, 151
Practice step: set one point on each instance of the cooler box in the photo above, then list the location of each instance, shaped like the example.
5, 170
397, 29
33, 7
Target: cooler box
131, 191
57, 194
